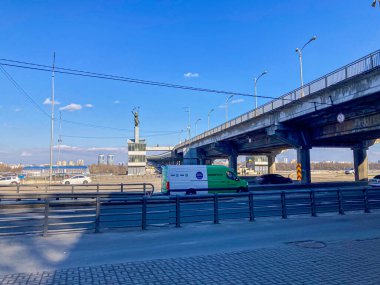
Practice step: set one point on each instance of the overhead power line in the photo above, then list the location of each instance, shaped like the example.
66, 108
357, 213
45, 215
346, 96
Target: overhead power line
76, 72
83, 73
124, 137
38, 107
23, 92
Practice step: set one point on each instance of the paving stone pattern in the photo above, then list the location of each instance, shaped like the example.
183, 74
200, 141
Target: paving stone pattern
349, 262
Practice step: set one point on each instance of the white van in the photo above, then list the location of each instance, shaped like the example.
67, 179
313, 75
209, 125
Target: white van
200, 179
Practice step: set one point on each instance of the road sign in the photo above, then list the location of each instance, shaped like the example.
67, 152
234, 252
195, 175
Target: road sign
299, 171
340, 118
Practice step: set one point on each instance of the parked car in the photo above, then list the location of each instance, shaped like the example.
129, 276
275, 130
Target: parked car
77, 179
375, 181
350, 171
9, 180
273, 179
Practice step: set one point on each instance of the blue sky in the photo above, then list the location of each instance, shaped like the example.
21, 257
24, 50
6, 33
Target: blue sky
225, 44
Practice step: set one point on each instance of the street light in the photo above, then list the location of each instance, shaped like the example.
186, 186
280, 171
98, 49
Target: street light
196, 123
187, 110
52, 121
257, 79
180, 136
208, 118
299, 51
228, 99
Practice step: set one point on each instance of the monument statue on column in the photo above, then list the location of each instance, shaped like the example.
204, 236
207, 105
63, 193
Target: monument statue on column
135, 113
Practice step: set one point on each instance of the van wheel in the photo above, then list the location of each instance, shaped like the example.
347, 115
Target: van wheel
67, 182
191, 192
85, 182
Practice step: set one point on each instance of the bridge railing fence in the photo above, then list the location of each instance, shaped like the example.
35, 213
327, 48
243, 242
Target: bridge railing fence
357, 67
145, 188
101, 212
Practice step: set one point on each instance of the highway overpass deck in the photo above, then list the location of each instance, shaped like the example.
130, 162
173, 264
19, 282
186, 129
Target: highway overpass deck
340, 109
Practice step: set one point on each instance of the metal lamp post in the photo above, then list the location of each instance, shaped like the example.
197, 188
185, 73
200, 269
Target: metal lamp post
299, 51
208, 118
52, 122
187, 110
255, 91
228, 99
196, 124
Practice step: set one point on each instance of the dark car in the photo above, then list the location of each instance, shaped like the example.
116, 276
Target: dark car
273, 179
375, 181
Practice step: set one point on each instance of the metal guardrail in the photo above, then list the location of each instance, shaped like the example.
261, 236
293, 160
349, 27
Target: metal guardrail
100, 212
146, 189
357, 67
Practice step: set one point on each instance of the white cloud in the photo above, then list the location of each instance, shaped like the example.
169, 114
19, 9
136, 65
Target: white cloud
71, 107
48, 102
191, 75
222, 106
88, 105
116, 102
237, 101
25, 153
17, 109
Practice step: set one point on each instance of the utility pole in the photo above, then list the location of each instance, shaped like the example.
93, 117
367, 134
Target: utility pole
52, 122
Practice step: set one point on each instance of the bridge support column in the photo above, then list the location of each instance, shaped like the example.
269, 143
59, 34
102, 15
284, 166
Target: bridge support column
190, 157
303, 157
360, 163
231, 151
232, 162
271, 164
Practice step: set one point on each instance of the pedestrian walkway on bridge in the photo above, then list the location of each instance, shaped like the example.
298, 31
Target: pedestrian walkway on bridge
325, 250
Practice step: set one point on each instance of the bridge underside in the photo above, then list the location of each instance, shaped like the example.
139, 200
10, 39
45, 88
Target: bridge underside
304, 123
360, 128
359, 131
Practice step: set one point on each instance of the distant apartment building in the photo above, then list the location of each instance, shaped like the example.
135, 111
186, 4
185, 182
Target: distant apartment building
62, 170
110, 159
101, 159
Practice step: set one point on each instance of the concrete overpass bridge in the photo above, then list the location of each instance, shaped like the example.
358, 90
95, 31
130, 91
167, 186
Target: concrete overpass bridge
340, 109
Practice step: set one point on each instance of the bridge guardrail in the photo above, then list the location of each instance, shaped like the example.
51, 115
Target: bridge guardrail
146, 189
98, 212
357, 67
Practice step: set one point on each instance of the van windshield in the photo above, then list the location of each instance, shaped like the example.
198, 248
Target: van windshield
231, 175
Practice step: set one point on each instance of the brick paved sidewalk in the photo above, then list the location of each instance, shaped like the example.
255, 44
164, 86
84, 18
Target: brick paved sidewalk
348, 262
